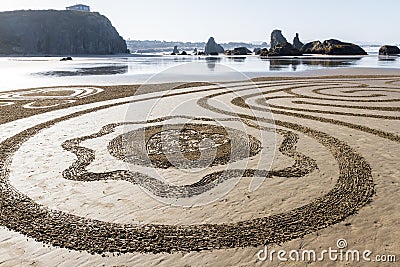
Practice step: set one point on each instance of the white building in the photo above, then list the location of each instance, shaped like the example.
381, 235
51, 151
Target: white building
79, 7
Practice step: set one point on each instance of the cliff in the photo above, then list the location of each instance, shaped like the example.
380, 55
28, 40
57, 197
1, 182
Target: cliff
45, 32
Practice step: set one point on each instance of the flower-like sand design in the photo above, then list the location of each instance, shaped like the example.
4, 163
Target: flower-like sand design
317, 100
157, 146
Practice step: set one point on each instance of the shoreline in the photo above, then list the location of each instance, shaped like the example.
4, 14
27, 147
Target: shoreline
323, 73
112, 92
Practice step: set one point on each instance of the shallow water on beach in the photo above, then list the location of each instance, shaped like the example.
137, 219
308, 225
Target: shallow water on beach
26, 72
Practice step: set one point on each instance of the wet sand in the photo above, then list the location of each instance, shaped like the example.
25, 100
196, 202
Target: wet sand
328, 159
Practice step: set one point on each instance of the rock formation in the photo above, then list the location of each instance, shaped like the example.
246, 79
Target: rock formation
389, 50
277, 38
66, 59
45, 32
175, 51
263, 52
297, 43
284, 49
314, 47
238, 51
212, 48
332, 47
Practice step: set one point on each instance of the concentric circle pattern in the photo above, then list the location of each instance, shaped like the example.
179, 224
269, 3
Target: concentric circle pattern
335, 115
48, 97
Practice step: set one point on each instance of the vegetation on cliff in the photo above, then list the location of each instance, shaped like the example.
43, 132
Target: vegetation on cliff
52, 32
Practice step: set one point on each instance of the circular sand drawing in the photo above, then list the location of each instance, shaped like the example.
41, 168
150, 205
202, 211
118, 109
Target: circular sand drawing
294, 102
42, 98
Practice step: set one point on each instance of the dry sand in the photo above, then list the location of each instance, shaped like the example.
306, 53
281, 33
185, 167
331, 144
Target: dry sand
331, 145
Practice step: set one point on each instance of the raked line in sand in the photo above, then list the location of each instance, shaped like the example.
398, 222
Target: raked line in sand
297, 109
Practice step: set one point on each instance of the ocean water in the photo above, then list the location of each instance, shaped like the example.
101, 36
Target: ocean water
27, 72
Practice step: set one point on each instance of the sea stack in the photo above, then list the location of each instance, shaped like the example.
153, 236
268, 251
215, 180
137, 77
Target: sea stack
263, 52
297, 43
388, 50
175, 51
284, 49
47, 32
280, 46
238, 51
277, 38
212, 48
332, 47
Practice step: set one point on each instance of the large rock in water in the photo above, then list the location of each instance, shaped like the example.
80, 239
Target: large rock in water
297, 43
284, 49
175, 51
213, 48
263, 52
315, 47
277, 38
46, 32
332, 47
238, 51
389, 50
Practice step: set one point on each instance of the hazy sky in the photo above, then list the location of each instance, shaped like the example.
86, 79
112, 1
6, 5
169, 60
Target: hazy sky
251, 20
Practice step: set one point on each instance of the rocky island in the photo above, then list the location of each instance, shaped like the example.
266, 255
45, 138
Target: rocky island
212, 48
332, 47
54, 32
281, 47
389, 50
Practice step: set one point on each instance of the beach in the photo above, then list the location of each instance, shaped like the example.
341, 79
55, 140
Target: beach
301, 160
152, 133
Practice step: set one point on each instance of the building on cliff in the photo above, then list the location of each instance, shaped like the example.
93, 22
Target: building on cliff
32, 32
79, 7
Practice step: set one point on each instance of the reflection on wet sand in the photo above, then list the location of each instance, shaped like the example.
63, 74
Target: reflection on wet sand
237, 59
211, 62
102, 70
138, 66
388, 58
279, 64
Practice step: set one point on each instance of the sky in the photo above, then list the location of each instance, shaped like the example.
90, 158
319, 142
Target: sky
368, 21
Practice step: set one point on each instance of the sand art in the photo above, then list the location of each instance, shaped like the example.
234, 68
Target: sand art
340, 105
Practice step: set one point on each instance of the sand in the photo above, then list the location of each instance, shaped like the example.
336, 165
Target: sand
327, 169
